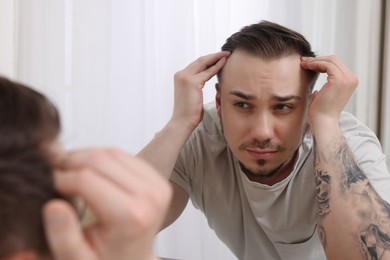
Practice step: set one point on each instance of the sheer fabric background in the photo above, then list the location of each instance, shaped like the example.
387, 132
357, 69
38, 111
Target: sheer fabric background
109, 67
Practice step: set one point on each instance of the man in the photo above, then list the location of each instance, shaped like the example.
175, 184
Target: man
127, 196
258, 161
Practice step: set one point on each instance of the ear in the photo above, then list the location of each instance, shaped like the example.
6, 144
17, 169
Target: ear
218, 99
24, 255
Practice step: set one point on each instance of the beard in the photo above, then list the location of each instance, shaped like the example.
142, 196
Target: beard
265, 144
261, 173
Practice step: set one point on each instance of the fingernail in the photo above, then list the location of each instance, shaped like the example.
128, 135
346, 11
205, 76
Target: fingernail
55, 219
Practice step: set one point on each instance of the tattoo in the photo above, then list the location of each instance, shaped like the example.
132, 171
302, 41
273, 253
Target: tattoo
369, 208
322, 180
374, 242
352, 173
385, 209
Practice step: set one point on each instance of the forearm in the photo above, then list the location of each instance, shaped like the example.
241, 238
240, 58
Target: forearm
163, 150
353, 220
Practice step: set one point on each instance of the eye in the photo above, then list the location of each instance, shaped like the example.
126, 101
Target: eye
241, 105
282, 107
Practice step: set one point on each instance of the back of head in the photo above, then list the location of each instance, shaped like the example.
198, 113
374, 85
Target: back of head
28, 122
27, 118
26, 184
270, 41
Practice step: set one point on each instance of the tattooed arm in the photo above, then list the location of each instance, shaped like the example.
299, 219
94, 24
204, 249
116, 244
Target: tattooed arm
353, 220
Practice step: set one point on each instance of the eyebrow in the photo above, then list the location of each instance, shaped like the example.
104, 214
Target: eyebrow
242, 95
274, 97
286, 98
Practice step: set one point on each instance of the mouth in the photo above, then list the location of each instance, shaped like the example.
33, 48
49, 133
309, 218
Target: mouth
261, 154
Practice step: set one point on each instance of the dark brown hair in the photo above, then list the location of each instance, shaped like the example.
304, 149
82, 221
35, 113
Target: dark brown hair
27, 118
25, 186
28, 121
271, 41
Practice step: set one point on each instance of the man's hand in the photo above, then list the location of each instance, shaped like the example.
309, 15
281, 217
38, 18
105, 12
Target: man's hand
328, 103
189, 83
163, 151
128, 197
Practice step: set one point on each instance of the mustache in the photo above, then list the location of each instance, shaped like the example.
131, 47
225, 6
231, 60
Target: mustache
265, 144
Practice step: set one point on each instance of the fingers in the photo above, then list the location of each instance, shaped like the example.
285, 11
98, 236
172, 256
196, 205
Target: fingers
201, 70
63, 233
335, 69
331, 59
213, 70
328, 103
189, 83
116, 186
207, 61
104, 198
124, 170
320, 64
324, 64
127, 196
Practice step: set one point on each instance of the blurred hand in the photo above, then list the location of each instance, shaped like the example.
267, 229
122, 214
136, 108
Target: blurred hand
128, 197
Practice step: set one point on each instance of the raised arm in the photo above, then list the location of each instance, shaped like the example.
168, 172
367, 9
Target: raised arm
353, 220
163, 150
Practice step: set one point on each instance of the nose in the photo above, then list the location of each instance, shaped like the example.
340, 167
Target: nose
262, 127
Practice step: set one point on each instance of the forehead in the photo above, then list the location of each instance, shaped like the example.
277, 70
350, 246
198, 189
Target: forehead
248, 71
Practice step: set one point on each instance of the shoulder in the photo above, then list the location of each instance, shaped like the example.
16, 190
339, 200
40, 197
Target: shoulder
211, 123
364, 144
368, 153
350, 125
209, 131
358, 135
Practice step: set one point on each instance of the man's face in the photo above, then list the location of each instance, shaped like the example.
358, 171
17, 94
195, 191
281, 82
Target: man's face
262, 105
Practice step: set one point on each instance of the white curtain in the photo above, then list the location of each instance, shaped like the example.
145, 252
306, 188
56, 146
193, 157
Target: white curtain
109, 66
7, 37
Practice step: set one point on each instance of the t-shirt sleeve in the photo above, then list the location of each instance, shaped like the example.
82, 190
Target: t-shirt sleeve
368, 154
184, 168
181, 179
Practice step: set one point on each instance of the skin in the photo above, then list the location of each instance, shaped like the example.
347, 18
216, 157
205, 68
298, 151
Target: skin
263, 105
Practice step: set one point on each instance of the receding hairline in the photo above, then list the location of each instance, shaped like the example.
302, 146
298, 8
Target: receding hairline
257, 55
309, 78
270, 41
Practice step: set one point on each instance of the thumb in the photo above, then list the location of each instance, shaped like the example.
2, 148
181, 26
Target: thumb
64, 235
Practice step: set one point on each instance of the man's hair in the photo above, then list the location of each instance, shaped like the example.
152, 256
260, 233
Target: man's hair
270, 41
27, 118
25, 186
28, 121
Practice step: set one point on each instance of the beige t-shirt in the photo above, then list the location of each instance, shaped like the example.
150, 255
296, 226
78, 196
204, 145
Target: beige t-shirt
258, 221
